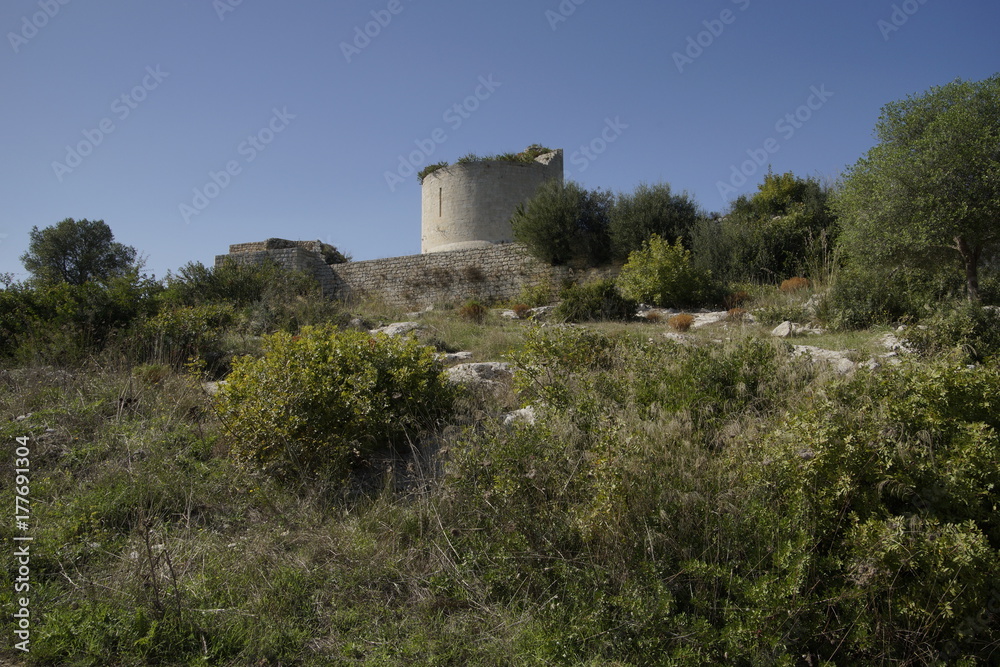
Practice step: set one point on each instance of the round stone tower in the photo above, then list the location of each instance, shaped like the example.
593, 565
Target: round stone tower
470, 204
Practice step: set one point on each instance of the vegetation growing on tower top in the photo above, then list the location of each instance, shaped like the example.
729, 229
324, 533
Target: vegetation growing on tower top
529, 154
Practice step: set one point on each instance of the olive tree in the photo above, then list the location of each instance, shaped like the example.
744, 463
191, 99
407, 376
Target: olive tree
76, 252
929, 191
649, 210
565, 224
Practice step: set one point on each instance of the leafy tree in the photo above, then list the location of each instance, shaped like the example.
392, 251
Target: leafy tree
650, 209
782, 230
566, 224
929, 191
77, 252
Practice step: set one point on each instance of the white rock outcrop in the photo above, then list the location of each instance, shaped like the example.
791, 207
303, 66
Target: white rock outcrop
398, 328
482, 374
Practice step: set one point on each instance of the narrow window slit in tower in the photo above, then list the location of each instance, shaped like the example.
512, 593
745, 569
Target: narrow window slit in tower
440, 199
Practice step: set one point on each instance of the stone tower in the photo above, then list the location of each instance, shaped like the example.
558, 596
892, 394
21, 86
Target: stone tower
470, 204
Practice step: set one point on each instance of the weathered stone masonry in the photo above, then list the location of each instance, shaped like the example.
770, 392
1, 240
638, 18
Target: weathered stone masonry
495, 273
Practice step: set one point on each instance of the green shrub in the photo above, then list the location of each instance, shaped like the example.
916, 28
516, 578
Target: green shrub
663, 275
783, 229
176, 334
539, 294
776, 313
238, 283
970, 327
63, 323
864, 294
598, 300
318, 401
893, 478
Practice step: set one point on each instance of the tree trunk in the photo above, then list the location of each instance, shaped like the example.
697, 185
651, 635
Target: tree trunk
971, 258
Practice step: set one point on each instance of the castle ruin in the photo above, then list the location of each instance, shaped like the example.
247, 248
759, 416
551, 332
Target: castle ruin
467, 248
470, 204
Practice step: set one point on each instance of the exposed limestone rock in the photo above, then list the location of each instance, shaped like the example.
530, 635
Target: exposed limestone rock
484, 374
452, 357
524, 415
892, 343
398, 328
419, 313
212, 388
790, 329
785, 330
677, 337
839, 359
705, 318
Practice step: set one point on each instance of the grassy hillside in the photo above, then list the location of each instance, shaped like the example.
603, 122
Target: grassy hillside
701, 499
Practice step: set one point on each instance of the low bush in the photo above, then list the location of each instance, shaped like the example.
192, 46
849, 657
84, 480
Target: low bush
681, 322
474, 312
971, 328
663, 275
598, 300
521, 310
891, 478
539, 294
794, 284
776, 313
863, 295
736, 315
175, 335
316, 402
736, 299
64, 324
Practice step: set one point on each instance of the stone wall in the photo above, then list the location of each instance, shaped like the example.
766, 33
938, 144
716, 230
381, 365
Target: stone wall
495, 273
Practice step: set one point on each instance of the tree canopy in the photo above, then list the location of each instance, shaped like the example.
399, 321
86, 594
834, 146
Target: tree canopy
76, 252
649, 210
782, 230
565, 225
929, 191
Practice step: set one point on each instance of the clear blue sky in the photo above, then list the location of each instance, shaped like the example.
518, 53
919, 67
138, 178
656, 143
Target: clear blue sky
152, 97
